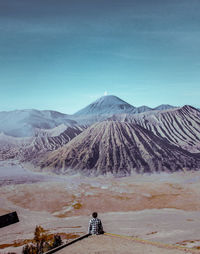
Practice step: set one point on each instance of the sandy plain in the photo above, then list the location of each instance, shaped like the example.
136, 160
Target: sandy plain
160, 207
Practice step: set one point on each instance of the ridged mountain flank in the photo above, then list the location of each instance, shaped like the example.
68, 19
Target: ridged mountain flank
118, 148
29, 148
180, 126
43, 143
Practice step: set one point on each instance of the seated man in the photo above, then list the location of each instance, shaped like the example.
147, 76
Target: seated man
95, 225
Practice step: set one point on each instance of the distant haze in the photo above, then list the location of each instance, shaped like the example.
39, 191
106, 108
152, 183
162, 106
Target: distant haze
65, 54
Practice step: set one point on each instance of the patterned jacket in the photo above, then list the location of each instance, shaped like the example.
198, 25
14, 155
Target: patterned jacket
95, 226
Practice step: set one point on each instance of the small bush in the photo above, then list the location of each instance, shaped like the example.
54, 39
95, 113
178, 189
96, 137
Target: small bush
42, 242
57, 241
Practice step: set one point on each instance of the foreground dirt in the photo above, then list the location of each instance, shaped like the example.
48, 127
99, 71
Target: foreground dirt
75, 195
159, 207
112, 245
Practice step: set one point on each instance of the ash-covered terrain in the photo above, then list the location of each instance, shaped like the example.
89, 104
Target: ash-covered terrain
107, 136
119, 148
158, 207
138, 167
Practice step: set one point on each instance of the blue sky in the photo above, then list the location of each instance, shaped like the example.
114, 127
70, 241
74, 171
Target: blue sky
62, 55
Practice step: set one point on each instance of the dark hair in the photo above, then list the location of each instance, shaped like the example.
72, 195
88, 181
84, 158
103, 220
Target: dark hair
94, 215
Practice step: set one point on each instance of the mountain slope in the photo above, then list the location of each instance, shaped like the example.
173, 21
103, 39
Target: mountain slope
43, 143
29, 148
164, 107
101, 109
180, 126
10, 147
108, 104
23, 123
118, 148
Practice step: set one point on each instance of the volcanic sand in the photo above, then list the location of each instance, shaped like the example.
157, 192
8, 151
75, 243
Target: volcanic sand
158, 207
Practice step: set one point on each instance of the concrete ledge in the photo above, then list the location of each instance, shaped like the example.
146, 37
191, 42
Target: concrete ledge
67, 244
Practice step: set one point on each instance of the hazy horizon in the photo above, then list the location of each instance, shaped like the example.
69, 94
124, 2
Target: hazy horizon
84, 106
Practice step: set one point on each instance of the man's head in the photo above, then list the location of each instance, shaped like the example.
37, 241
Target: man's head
94, 215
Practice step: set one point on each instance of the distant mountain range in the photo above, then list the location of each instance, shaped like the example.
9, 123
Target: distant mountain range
25, 123
108, 106
109, 136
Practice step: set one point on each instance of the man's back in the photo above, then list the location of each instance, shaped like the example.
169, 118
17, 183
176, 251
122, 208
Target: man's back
95, 226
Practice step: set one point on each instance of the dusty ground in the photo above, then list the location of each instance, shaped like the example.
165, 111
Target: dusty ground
159, 207
111, 245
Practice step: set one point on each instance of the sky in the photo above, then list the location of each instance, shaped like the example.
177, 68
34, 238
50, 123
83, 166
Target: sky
64, 54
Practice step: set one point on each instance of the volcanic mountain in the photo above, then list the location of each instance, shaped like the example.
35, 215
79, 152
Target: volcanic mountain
28, 148
42, 143
180, 126
164, 107
118, 148
122, 139
107, 106
23, 123
28, 122
101, 109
